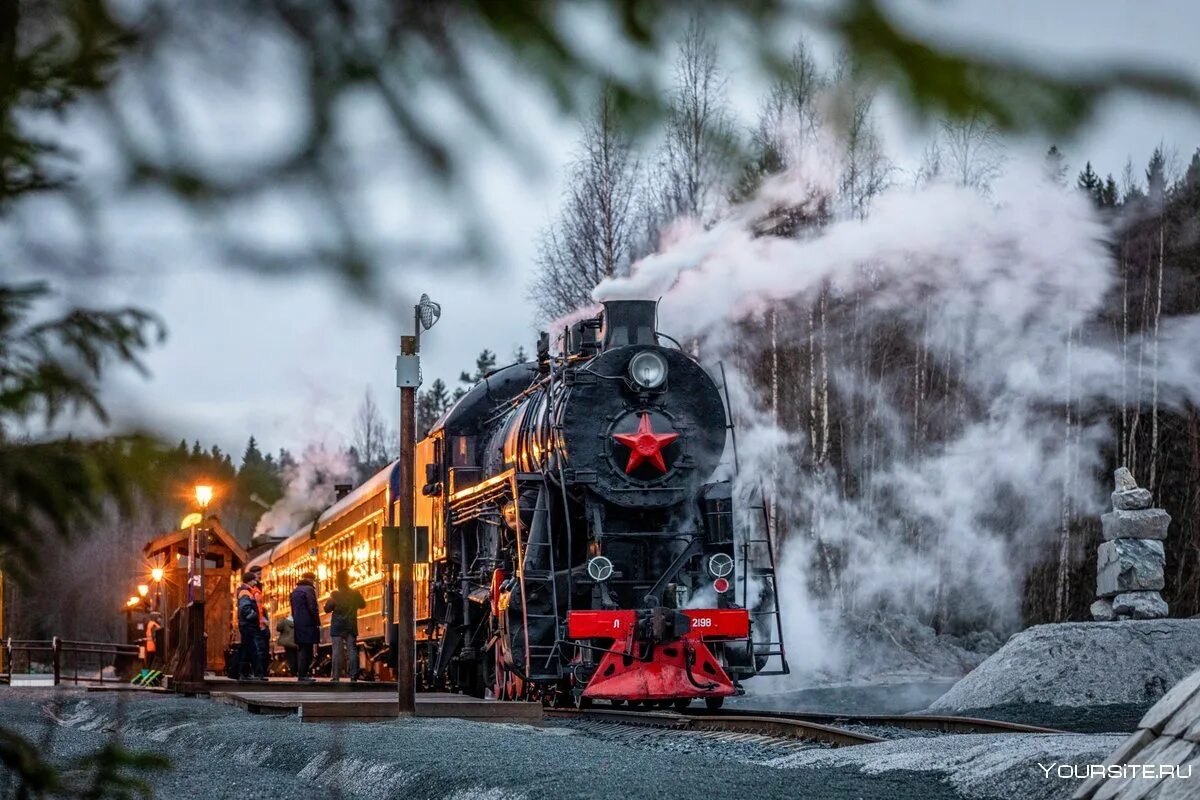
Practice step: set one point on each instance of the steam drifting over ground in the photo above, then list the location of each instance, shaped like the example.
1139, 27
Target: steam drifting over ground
945, 493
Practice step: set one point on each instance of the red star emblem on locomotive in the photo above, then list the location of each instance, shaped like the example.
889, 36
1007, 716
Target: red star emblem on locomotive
645, 445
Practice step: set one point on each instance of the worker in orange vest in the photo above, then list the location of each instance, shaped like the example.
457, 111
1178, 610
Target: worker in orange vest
153, 626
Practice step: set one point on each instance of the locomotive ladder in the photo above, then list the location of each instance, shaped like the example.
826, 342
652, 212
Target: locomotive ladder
774, 645
531, 579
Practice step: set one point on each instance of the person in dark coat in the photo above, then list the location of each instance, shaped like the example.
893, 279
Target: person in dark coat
248, 628
344, 605
307, 621
264, 624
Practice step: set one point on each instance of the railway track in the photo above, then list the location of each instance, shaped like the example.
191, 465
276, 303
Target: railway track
826, 729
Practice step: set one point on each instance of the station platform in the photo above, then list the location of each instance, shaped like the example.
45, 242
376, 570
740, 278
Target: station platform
219, 683
327, 704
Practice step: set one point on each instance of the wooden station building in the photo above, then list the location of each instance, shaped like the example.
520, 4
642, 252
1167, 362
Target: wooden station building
224, 558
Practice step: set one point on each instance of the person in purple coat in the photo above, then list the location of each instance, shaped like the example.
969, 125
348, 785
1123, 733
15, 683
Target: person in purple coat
308, 624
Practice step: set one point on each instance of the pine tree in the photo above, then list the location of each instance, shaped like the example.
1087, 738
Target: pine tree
1109, 194
1090, 182
1055, 165
431, 404
1156, 178
252, 457
484, 363
1191, 180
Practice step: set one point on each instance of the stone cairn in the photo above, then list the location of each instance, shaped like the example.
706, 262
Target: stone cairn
1129, 568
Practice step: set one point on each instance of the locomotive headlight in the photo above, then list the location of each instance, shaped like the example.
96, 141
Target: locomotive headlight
599, 569
720, 565
648, 369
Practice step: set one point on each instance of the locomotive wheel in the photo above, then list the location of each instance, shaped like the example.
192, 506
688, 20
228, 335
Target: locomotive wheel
499, 675
682, 703
714, 703
617, 703
514, 687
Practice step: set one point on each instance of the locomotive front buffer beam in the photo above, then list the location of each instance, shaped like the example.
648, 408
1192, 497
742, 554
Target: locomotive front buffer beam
659, 653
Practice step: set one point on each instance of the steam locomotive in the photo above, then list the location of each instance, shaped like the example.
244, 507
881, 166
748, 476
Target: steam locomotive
570, 542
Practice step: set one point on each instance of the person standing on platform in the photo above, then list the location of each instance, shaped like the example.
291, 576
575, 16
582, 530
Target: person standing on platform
286, 639
344, 605
263, 642
307, 621
153, 636
248, 626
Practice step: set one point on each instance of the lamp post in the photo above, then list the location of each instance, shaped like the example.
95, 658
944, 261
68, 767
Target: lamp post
195, 593
156, 574
408, 378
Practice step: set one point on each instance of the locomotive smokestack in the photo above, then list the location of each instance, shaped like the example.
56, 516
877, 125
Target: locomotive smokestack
629, 322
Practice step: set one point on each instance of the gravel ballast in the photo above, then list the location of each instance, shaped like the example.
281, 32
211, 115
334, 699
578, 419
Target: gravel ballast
221, 752
1080, 667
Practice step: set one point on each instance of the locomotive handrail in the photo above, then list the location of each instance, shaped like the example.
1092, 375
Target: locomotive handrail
516, 499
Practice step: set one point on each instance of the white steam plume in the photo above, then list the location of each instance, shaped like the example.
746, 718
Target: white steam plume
308, 490
947, 506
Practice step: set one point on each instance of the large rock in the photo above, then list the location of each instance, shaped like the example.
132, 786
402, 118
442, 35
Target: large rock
1148, 523
1102, 611
1132, 499
1129, 565
1167, 736
1082, 664
1140, 605
1123, 479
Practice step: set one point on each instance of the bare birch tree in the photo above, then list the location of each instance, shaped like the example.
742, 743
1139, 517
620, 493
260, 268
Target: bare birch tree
373, 440
866, 169
971, 151
593, 237
693, 166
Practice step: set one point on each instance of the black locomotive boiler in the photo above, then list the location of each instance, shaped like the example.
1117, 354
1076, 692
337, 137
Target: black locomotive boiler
578, 542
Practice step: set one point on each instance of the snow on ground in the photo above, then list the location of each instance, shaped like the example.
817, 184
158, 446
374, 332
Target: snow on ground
978, 766
221, 752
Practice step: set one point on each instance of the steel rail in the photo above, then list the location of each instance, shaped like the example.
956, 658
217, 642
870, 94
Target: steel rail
935, 722
781, 727
822, 728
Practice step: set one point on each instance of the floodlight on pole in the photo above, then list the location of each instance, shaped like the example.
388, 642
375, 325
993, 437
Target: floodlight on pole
143, 590
157, 574
428, 312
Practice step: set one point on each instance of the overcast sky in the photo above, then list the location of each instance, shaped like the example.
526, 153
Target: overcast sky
288, 360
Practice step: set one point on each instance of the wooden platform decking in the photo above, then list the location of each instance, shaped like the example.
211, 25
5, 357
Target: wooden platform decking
212, 684
326, 704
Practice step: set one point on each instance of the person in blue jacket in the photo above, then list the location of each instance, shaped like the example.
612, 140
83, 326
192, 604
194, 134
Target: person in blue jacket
248, 617
307, 620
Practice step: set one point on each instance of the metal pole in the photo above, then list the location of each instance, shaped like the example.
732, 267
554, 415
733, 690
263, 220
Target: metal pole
200, 635
405, 674
165, 655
